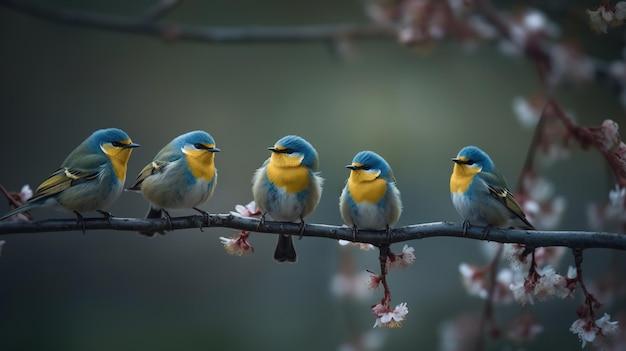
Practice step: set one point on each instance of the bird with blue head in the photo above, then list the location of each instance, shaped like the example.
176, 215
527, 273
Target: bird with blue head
370, 199
182, 175
287, 187
90, 179
480, 193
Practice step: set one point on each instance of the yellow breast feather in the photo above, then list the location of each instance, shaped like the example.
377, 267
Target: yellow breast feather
366, 186
287, 172
201, 163
462, 177
119, 159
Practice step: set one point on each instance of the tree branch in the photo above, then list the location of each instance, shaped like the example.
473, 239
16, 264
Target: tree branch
145, 25
572, 239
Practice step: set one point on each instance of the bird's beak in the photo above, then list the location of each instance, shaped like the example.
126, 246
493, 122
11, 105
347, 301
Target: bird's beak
277, 150
457, 160
131, 146
213, 149
352, 167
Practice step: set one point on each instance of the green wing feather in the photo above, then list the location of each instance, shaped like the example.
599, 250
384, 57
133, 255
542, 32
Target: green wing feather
496, 183
62, 179
152, 168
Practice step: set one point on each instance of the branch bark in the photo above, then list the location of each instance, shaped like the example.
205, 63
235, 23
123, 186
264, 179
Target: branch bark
146, 25
571, 239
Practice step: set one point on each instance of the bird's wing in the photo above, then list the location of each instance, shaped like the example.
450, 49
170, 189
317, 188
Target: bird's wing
62, 179
152, 168
498, 189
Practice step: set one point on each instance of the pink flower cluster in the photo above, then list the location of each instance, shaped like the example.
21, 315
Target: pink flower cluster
606, 16
589, 330
20, 198
388, 318
402, 260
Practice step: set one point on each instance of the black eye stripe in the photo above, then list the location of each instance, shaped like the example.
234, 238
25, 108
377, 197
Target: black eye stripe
117, 144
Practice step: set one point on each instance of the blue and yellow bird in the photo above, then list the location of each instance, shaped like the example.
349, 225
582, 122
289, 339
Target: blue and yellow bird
480, 193
181, 175
90, 179
370, 200
288, 188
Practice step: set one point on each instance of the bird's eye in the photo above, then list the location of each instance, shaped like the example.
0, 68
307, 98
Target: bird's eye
469, 162
198, 146
117, 144
365, 168
289, 151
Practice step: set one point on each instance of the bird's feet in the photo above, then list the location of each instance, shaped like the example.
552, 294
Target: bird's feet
106, 215
80, 221
466, 225
207, 218
302, 227
485, 232
261, 221
168, 218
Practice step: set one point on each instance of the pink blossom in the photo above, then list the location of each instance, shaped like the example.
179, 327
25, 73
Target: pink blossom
386, 318
550, 284
362, 246
523, 292
249, 210
20, 198
527, 114
587, 330
513, 254
551, 255
610, 137
373, 281
238, 245
402, 260
620, 10
351, 285
473, 279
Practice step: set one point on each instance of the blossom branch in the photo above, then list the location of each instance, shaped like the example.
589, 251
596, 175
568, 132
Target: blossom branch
145, 25
538, 238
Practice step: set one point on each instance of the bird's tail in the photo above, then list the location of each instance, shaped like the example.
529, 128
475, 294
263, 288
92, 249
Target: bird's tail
152, 213
23, 208
285, 251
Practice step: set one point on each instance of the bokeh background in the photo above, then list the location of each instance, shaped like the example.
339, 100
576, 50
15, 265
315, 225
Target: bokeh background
117, 290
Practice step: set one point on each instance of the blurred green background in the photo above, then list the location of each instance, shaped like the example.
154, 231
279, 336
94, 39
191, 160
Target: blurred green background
117, 290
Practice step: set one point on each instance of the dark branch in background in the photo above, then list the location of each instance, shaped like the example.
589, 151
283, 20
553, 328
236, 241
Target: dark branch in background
145, 24
160, 9
572, 239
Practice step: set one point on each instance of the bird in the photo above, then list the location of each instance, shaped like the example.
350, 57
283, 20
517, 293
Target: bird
288, 187
182, 175
480, 193
370, 199
90, 179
